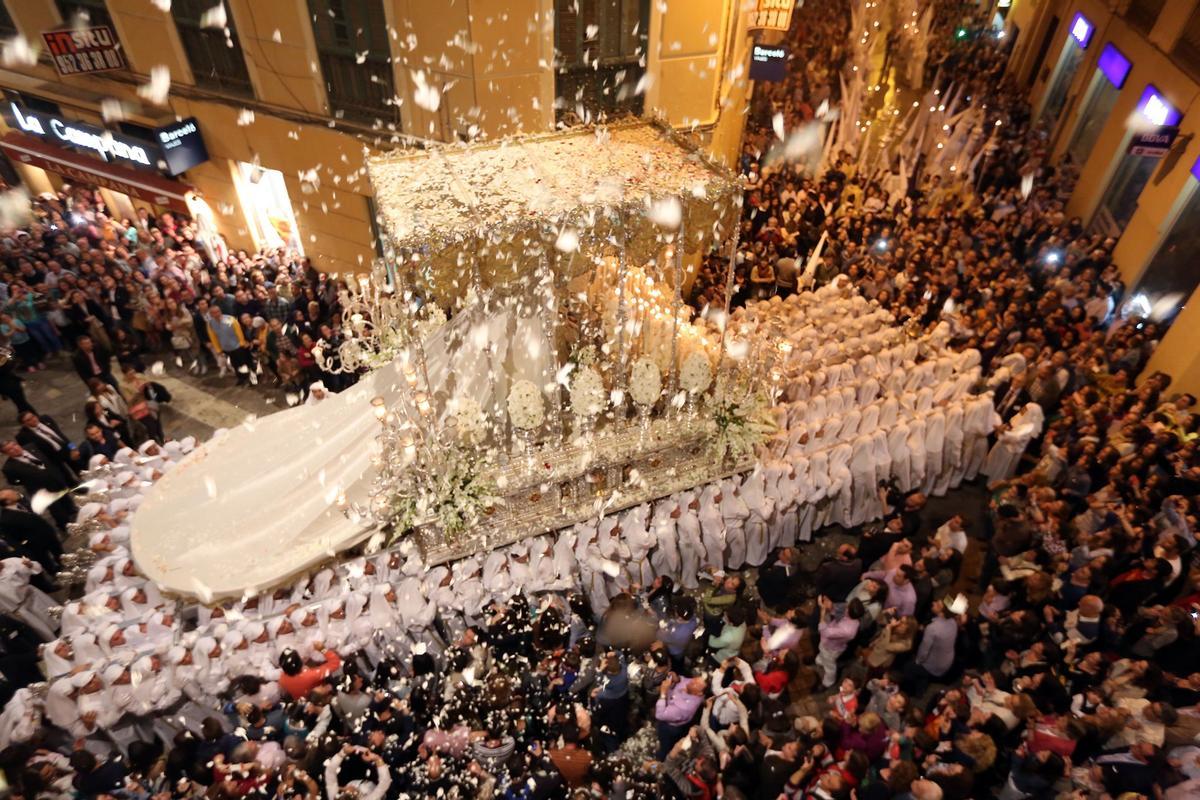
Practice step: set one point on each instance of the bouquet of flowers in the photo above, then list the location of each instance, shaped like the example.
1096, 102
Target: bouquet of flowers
741, 425
432, 318
469, 420
453, 488
587, 392
645, 382
526, 407
695, 375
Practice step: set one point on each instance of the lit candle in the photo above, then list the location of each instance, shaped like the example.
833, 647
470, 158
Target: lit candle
422, 403
378, 408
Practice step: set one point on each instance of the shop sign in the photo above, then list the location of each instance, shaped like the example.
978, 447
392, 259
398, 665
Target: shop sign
768, 62
81, 136
182, 145
1154, 143
78, 51
771, 15
177, 147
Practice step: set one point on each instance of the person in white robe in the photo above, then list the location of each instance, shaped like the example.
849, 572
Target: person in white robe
897, 443
496, 580
1005, 455
952, 451
781, 485
810, 511
840, 488
935, 444
20, 721
734, 514
640, 540
591, 565
62, 705
664, 559
761, 505
850, 424
58, 657
870, 418
863, 477
916, 453
979, 420
712, 525
22, 601
690, 540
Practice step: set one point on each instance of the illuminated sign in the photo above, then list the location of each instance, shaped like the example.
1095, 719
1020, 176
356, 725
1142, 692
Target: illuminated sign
1154, 108
1081, 30
1114, 65
772, 15
182, 145
77, 51
175, 148
768, 62
106, 144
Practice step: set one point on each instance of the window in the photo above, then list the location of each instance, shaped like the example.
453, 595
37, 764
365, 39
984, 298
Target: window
94, 12
1121, 197
7, 26
1174, 272
1142, 14
1186, 52
599, 47
215, 55
1060, 82
352, 44
1101, 97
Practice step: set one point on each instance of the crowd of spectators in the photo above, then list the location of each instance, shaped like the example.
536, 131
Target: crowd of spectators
1047, 650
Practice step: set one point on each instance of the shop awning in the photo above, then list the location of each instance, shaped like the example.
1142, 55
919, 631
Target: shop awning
143, 186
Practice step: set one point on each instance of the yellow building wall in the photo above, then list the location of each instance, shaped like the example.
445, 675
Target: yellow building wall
1177, 353
492, 60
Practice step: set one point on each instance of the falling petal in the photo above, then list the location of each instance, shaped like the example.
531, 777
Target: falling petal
159, 87
214, 17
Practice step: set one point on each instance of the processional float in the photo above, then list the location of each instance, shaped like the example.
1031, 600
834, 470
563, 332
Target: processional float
532, 365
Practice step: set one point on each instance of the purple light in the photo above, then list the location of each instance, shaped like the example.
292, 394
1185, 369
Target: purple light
1196, 169
1114, 65
1155, 109
1082, 30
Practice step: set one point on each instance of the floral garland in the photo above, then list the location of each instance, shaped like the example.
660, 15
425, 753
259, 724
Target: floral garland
695, 376
741, 426
587, 392
526, 406
645, 382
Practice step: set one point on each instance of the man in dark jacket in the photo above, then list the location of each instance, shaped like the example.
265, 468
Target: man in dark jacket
93, 361
27, 533
838, 576
42, 431
31, 468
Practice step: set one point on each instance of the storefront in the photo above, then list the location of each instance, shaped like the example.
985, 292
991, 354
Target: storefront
45, 147
269, 214
1079, 36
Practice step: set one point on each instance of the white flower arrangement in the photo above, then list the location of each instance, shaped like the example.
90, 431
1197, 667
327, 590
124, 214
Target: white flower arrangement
588, 395
585, 356
695, 376
432, 318
526, 406
469, 420
645, 382
455, 492
741, 426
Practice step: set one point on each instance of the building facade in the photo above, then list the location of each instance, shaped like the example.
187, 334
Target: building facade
1118, 82
273, 105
